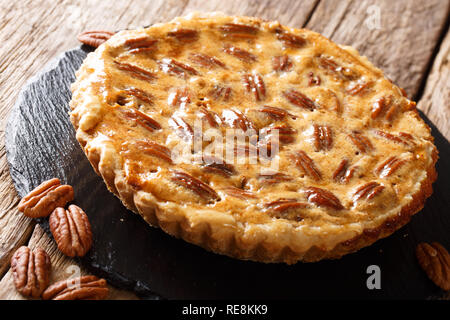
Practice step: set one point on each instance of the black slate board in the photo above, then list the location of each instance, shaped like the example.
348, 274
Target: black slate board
41, 144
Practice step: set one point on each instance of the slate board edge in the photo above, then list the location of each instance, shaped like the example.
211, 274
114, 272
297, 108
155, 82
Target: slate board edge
21, 183
10, 130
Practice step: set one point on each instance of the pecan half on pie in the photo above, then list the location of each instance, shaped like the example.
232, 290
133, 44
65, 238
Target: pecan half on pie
353, 159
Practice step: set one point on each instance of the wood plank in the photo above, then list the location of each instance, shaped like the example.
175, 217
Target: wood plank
62, 268
401, 44
435, 101
15, 228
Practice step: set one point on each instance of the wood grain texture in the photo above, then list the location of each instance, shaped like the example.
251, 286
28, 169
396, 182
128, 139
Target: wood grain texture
435, 101
397, 36
62, 268
33, 32
15, 228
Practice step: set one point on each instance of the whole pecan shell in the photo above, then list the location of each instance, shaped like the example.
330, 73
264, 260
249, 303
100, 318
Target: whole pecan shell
45, 198
435, 261
31, 271
71, 230
82, 288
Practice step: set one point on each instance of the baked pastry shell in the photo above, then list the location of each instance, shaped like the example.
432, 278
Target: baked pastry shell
219, 233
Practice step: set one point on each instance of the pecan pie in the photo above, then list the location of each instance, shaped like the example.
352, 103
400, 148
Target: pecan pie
354, 160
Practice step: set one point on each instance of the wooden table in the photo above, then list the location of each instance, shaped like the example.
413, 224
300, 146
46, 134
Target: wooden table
408, 39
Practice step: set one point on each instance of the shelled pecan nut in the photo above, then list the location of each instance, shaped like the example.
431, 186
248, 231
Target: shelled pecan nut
239, 31
140, 118
255, 83
94, 38
344, 172
179, 97
236, 119
389, 166
218, 166
195, 185
323, 137
82, 288
281, 63
154, 149
324, 198
299, 99
361, 142
140, 44
71, 230
239, 53
274, 177
173, 67
435, 261
135, 71
276, 113
183, 35
183, 128
284, 204
31, 271
304, 162
206, 60
42, 200
289, 39
367, 191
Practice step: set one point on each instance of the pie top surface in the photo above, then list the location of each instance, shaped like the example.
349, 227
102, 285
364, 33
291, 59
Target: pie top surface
351, 150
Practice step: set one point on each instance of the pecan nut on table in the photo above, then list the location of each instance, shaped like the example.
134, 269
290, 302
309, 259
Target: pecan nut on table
435, 261
71, 230
94, 38
45, 198
31, 271
82, 288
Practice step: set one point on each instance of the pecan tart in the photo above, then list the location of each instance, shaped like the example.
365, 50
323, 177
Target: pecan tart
354, 160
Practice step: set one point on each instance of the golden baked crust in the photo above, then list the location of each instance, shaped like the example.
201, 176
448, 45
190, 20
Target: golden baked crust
354, 159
